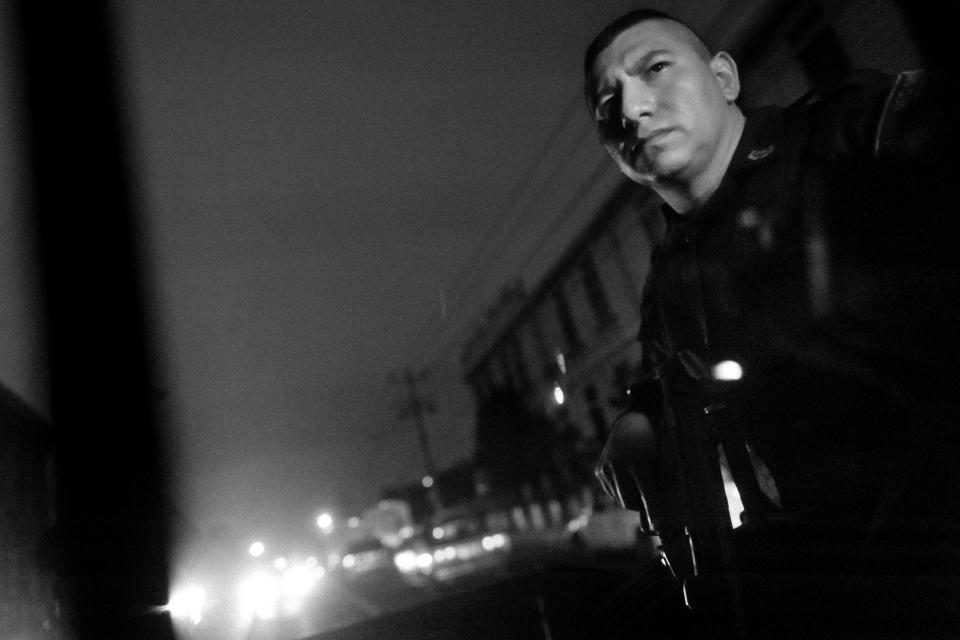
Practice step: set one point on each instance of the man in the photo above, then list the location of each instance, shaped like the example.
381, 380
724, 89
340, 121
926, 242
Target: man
798, 326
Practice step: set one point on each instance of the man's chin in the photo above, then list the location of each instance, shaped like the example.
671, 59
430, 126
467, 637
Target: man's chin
643, 175
665, 168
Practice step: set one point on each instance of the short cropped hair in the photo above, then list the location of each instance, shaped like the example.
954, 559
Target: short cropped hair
618, 26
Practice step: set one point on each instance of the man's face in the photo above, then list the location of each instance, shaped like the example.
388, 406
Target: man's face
660, 104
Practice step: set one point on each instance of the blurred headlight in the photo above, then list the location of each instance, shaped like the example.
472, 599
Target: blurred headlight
188, 604
259, 595
496, 541
297, 582
424, 560
406, 561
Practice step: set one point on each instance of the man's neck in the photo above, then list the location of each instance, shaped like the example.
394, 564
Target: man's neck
687, 195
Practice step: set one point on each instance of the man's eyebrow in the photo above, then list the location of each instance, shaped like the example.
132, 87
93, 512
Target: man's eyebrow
602, 90
645, 57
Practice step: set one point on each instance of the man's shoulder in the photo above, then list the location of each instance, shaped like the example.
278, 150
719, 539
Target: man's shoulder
907, 117
849, 119
850, 90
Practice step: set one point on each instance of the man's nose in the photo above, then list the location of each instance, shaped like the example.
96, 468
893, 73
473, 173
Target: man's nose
637, 102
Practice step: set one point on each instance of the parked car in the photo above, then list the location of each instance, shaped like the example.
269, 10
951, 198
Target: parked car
364, 556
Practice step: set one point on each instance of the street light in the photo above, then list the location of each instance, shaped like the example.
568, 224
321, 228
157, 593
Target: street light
325, 522
256, 549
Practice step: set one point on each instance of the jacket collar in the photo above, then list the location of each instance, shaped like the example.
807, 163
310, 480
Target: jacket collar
761, 142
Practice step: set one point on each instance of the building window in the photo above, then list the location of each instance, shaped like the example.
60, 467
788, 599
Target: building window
480, 385
599, 303
567, 325
514, 356
541, 359
504, 364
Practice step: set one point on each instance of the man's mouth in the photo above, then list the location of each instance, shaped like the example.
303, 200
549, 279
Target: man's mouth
654, 135
636, 149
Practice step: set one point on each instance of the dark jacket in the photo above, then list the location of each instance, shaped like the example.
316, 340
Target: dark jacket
823, 277
823, 266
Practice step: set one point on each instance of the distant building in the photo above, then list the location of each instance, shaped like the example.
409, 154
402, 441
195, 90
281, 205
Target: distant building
28, 602
569, 346
457, 484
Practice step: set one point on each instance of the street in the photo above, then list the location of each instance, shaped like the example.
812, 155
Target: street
560, 597
551, 594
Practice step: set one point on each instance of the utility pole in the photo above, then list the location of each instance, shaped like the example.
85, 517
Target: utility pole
416, 406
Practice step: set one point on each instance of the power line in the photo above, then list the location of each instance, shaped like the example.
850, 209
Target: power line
471, 268
603, 165
517, 192
567, 211
575, 143
416, 406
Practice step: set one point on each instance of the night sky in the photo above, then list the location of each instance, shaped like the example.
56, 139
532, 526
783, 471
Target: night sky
329, 192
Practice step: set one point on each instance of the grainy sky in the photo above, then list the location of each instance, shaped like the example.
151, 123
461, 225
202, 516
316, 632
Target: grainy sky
330, 192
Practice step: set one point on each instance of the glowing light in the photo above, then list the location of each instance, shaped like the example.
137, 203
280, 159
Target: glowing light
406, 531
561, 363
577, 523
280, 564
259, 595
558, 396
292, 606
424, 560
496, 541
438, 532
353, 522
427, 481
325, 522
297, 582
311, 562
406, 560
256, 549
188, 604
727, 370
349, 561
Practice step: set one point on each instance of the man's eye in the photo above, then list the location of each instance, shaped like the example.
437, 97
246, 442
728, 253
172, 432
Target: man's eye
603, 110
656, 68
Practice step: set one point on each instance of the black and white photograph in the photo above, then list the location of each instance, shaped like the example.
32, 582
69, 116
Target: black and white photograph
446, 320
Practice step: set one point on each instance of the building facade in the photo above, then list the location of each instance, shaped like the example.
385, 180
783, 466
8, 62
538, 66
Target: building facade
569, 346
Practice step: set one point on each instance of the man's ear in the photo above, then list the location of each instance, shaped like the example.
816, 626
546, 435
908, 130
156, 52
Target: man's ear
725, 70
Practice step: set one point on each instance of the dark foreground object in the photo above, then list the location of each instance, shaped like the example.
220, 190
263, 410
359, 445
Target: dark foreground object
558, 601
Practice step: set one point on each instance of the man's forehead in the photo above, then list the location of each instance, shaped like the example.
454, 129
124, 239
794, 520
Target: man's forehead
655, 34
